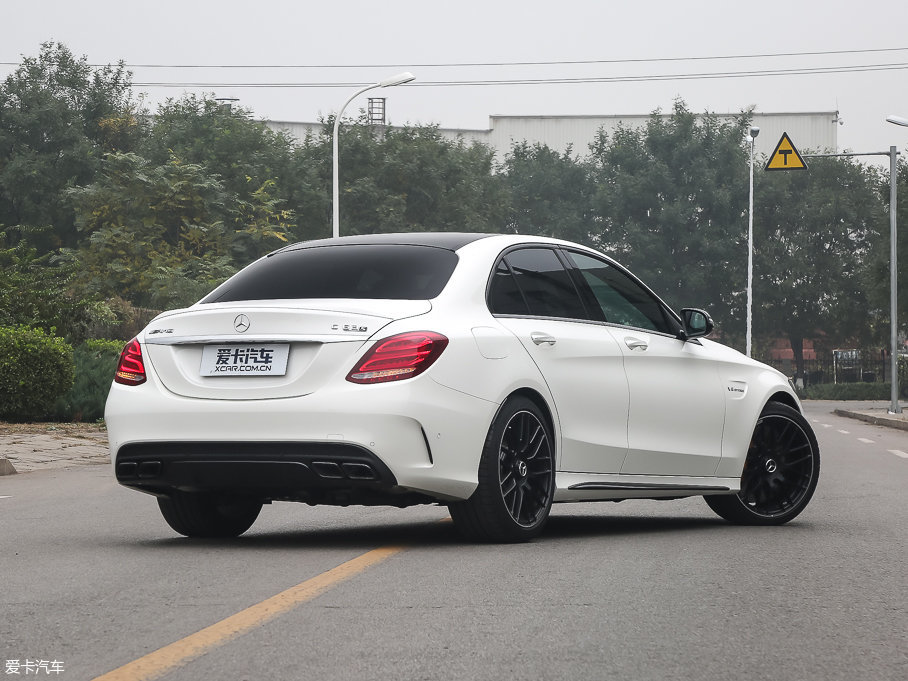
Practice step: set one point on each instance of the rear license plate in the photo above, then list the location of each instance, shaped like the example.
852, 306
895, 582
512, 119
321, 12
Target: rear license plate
245, 360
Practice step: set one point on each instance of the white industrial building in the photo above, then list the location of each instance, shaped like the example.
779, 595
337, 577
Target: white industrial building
809, 131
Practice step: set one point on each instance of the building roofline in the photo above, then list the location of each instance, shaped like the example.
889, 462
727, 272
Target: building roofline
664, 115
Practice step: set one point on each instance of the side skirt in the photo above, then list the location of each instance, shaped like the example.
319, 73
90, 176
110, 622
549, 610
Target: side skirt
593, 487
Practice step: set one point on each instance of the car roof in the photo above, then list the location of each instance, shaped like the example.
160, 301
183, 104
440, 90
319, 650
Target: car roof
451, 241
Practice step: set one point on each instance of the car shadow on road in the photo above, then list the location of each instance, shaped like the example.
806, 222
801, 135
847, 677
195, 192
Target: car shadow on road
427, 533
606, 525
364, 537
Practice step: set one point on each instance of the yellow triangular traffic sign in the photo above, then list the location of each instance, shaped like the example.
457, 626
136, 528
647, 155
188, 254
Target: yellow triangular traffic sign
785, 157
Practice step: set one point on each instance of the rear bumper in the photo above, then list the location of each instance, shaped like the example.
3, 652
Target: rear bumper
414, 438
324, 472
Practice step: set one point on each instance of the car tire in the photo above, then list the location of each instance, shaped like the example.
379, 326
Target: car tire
780, 472
516, 478
203, 515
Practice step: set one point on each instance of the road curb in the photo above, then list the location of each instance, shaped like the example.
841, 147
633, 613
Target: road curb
877, 420
6, 467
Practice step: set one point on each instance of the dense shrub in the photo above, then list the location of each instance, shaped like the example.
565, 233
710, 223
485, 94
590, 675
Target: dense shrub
35, 369
95, 362
848, 391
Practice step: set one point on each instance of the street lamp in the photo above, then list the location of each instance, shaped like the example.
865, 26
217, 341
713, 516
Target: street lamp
399, 79
754, 131
893, 267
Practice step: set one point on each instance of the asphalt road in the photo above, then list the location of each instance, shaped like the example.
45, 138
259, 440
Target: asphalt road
91, 578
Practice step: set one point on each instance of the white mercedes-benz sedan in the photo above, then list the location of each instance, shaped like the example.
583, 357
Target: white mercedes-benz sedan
495, 374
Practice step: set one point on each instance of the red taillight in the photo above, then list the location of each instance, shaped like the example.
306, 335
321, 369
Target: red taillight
131, 368
403, 356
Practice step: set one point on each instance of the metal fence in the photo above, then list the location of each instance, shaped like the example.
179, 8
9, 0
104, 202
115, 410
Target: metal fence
828, 371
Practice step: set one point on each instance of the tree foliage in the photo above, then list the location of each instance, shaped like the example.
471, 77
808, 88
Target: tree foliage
58, 116
244, 153
813, 233
550, 194
672, 201
163, 235
878, 269
36, 291
409, 179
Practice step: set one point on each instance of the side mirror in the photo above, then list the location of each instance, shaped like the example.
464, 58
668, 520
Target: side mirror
697, 323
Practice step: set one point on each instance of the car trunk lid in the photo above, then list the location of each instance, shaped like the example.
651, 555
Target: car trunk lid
264, 349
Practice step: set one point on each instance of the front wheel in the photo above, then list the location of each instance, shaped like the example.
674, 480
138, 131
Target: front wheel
204, 515
516, 478
780, 472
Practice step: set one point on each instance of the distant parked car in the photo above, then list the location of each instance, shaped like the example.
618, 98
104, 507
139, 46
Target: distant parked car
493, 374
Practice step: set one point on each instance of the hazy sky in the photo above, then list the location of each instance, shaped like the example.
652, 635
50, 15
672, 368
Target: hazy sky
373, 40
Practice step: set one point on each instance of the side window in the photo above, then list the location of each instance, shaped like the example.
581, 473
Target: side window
544, 286
621, 299
504, 296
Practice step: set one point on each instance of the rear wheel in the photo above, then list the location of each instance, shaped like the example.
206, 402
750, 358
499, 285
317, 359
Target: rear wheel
780, 473
204, 515
516, 478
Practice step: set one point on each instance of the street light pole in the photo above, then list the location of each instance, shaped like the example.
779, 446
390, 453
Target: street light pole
893, 265
754, 131
399, 79
894, 408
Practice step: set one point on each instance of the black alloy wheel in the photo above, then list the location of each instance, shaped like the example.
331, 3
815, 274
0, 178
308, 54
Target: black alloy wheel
524, 468
780, 473
516, 478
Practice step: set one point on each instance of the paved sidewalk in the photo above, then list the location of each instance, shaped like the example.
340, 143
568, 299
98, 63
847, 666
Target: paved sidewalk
29, 447
878, 416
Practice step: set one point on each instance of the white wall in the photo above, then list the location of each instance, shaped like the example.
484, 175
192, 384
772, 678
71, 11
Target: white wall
809, 131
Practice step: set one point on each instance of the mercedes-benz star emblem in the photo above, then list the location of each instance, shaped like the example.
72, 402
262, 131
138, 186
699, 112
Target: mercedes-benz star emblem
241, 323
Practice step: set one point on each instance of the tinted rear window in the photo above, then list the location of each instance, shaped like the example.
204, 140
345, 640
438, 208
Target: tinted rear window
358, 271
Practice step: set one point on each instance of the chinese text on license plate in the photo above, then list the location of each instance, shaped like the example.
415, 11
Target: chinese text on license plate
245, 360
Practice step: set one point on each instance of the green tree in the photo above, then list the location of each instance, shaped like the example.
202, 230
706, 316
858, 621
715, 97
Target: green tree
243, 152
58, 116
550, 193
255, 165
163, 235
813, 232
405, 179
878, 270
671, 200
36, 291
309, 195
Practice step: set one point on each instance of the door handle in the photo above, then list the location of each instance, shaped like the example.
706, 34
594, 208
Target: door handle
636, 343
542, 338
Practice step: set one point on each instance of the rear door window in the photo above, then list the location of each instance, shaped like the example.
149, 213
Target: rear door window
533, 281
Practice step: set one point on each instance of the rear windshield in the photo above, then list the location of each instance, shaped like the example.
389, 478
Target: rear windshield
395, 272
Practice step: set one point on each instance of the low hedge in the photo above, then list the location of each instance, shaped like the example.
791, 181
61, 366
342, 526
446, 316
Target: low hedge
36, 368
95, 362
848, 391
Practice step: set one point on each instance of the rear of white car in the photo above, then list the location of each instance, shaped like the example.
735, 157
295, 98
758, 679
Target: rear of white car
495, 374
314, 399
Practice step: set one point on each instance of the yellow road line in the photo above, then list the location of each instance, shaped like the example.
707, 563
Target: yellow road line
164, 660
